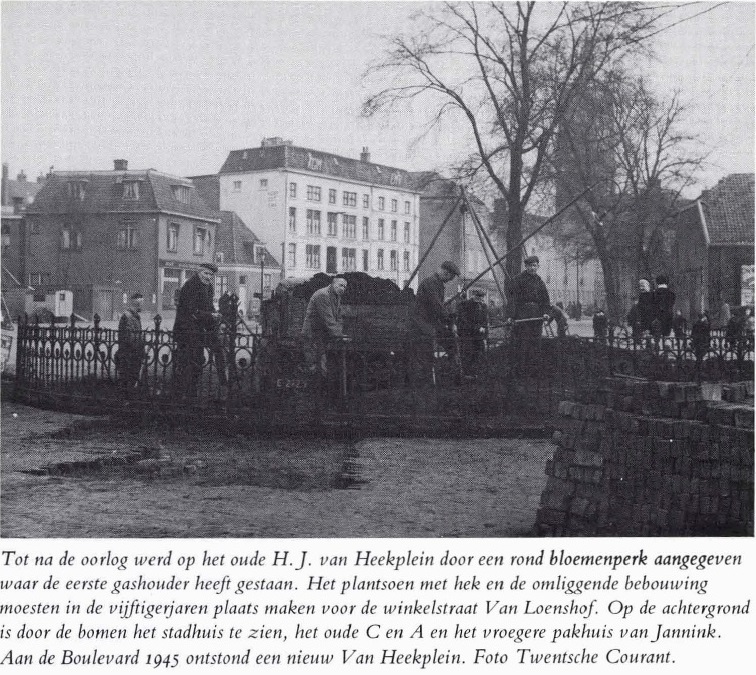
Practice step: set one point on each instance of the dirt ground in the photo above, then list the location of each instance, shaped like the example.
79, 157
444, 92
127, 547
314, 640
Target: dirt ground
202, 484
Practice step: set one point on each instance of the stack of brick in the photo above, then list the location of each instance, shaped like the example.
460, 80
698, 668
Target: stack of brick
643, 458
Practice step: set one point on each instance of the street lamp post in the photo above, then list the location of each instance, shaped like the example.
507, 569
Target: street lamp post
262, 277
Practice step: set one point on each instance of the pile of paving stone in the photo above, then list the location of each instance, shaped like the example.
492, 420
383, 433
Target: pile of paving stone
642, 458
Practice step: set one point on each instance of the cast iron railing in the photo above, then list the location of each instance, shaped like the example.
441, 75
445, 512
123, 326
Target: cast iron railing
467, 377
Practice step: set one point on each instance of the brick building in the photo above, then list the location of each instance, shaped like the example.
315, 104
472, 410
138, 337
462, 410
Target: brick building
17, 195
713, 251
106, 234
245, 266
323, 212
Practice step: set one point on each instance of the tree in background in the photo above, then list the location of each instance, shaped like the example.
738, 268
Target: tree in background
508, 72
628, 144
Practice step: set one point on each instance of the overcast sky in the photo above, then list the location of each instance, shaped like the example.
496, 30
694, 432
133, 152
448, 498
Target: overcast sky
176, 85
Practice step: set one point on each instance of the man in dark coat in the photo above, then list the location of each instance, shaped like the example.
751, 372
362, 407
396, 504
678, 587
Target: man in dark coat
472, 323
196, 327
427, 322
323, 324
529, 299
130, 344
664, 305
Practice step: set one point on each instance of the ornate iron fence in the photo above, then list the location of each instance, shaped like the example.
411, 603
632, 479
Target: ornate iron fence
450, 376
82, 362
718, 358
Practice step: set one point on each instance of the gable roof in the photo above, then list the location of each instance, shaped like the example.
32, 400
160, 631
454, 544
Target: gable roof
103, 193
237, 242
728, 210
315, 161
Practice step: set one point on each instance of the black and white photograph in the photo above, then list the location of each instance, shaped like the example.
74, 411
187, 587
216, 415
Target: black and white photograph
377, 270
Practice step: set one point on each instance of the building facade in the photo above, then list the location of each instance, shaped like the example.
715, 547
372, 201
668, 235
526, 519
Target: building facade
104, 235
245, 266
459, 241
17, 196
322, 212
713, 251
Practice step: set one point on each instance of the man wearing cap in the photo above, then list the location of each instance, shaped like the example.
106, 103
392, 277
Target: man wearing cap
427, 322
196, 327
529, 299
473, 329
323, 324
130, 344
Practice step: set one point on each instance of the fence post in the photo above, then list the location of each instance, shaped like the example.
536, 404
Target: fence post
157, 320
96, 319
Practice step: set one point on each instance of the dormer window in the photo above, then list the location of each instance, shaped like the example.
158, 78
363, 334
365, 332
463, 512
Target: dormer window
180, 193
77, 189
131, 189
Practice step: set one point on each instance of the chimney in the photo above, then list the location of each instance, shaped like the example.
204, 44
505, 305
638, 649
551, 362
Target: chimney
5, 185
21, 178
365, 154
120, 165
41, 178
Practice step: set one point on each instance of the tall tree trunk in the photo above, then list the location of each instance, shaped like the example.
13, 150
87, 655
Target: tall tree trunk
614, 309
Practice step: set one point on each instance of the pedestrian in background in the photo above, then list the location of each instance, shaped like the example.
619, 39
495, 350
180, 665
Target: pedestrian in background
700, 336
472, 324
600, 326
663, 302
645, 314
560, 316
130, 344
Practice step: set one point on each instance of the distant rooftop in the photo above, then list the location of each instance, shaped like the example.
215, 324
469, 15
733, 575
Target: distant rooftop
275, 153
729, 209
103, 191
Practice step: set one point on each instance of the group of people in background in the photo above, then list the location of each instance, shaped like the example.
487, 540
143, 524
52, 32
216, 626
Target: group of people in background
654, 311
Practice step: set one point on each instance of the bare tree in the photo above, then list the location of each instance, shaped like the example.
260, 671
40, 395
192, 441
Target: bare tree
508, 72
629, 145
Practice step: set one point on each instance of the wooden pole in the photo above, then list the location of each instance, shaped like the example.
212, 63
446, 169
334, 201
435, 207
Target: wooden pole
433, 241
548, 221
481, 233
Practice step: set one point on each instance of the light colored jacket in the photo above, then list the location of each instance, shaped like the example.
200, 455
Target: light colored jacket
323, 318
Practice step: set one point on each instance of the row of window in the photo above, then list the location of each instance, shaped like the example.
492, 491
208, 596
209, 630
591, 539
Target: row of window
77, 189
314, 194
313, 260
127, 238
349, 226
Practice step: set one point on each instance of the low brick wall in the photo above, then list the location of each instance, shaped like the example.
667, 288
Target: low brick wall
644, 458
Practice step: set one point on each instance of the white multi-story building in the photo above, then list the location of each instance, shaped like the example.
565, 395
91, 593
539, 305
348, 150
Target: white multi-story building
323, 212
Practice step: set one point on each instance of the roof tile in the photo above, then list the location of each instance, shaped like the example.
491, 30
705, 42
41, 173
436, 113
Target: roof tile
729, 209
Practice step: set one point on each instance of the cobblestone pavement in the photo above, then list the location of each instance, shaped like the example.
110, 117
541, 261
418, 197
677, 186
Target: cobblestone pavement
251, 487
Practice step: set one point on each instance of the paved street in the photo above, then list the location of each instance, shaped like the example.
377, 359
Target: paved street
210, 485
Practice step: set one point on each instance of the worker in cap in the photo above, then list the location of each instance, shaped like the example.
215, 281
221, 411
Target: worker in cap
130, 345
427, 322
529, 304
449, 267
197, 326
